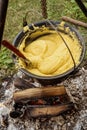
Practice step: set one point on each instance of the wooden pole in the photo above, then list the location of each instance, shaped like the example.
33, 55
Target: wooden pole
3, 11
73, 21
82, 6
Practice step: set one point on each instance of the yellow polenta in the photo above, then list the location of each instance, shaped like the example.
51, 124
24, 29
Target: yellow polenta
49, 55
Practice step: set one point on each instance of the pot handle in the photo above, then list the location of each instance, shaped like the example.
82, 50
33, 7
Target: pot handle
25, 23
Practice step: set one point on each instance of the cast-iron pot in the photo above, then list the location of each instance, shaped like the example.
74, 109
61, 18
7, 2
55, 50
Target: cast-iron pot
50, 79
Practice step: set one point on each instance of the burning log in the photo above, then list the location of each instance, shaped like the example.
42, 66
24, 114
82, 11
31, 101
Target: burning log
49, 110
42, 110
33, 93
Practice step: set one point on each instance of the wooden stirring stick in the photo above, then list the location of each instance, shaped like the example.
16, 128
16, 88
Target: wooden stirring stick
15, 50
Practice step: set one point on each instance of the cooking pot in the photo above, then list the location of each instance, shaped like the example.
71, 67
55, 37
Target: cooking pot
50, 79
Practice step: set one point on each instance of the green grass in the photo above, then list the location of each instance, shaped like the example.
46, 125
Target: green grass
17, 10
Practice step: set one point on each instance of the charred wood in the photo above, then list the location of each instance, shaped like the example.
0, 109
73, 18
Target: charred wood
42, 110
48, 111
20, 83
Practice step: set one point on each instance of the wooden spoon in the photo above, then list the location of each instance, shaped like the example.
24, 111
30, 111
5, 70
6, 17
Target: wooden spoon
16, 51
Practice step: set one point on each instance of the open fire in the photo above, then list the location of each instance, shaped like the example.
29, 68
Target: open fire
40, 101
26, 104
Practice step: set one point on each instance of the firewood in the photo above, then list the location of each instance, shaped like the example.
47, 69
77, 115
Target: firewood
33, 93
48, 110
42, 110
73, 21
20, 83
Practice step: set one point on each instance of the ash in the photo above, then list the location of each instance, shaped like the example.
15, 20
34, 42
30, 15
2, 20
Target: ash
76, 86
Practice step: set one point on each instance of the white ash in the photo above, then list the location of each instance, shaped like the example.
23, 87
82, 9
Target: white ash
81, 120
9, 92
3, 110
4, 83
36, 84
12, 127
19, 74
